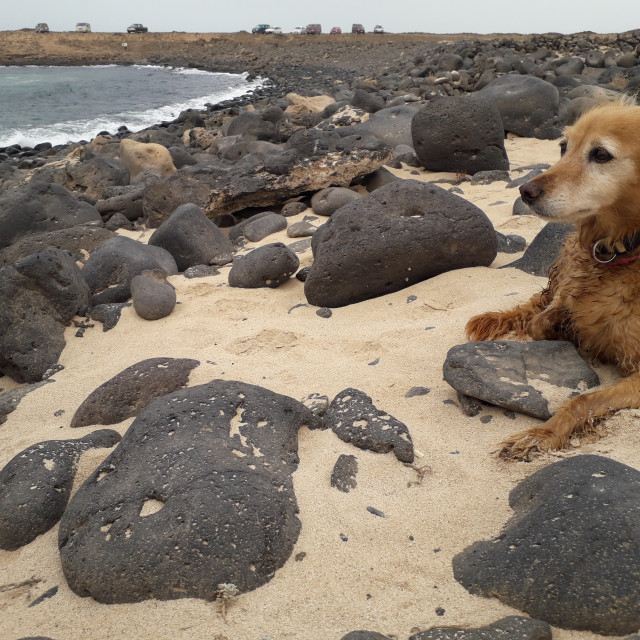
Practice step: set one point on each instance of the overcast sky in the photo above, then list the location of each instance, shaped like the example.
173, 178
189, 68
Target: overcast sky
476, 16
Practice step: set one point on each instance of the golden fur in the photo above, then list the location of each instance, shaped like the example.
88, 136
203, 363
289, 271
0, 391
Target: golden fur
597, 306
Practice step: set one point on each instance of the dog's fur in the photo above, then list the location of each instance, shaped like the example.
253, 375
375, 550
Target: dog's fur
597, 306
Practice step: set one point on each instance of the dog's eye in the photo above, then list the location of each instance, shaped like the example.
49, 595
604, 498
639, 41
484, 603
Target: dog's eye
599, 155
563, 147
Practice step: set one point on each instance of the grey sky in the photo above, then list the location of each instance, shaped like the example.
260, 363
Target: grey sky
478, 16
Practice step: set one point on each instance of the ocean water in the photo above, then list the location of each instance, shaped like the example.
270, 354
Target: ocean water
66, 104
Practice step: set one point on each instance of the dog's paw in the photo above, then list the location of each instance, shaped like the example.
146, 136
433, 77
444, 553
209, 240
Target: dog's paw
526, 445
487, 326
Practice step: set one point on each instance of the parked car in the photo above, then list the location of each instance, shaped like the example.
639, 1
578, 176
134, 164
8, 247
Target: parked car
378, 29
42, 27
336, 31
274, 30
260, 28
84, 27
313, 29
298, 31
356, 27
136, 27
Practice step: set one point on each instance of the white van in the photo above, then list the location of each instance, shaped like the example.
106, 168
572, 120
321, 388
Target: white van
84, 27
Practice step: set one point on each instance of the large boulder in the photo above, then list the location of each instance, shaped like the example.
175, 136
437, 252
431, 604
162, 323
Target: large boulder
528, 105
461, 135
571, 553
198, 493
39, 294
398, 235
191, 238
39, 206
110, 268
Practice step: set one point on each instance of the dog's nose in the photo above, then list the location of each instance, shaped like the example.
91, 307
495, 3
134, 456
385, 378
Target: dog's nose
530, 191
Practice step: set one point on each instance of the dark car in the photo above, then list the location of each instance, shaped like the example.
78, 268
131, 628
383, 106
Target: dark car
136, 27
357, 28
313, 29
42, 27
260, 28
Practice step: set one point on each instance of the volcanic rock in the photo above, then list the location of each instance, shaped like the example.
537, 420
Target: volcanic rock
353, 417
36, 483
132, 390
198, 493
402, 233
461, 135
570, 555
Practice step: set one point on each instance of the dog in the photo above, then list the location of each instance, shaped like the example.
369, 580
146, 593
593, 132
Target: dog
593, 294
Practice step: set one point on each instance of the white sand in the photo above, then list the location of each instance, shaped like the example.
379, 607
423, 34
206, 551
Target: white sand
379, 579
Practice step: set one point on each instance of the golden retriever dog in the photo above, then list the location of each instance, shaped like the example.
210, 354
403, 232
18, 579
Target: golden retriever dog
593, 294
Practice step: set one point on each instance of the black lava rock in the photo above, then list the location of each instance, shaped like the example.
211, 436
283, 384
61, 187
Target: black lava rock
354, 418
571, 554
36, 483
198, 493
131, 390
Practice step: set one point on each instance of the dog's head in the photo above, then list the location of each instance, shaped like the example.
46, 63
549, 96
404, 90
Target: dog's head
597, 178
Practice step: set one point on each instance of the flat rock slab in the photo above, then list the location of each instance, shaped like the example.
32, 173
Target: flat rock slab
198, 493
570, 555
130, 391
354, 418
509, 628
36, 483
334, 162
533, 378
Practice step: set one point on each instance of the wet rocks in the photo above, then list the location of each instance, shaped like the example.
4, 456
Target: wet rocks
183, 503
191, 238
152, 296
460, 135
110, 268
131, 390
533, 378
353, 418
36, 483
570, 555
267, 266
400, 234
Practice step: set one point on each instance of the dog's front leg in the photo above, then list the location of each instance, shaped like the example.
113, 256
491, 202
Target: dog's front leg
577, 415
496, 324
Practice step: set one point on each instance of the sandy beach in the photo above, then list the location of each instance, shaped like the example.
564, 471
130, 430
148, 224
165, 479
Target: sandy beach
350, 569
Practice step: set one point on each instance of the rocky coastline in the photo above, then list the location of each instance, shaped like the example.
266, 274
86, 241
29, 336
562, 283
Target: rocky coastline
250, 307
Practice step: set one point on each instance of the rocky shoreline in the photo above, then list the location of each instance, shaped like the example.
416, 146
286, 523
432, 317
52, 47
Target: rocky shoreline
260, 300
